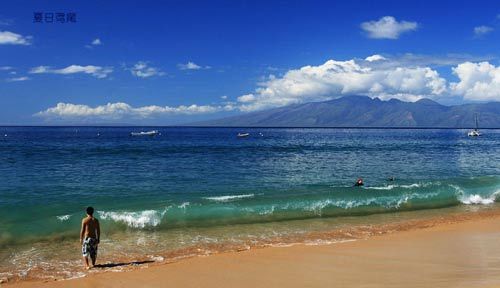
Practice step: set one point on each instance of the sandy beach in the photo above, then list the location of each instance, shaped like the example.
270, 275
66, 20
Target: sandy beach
458, 254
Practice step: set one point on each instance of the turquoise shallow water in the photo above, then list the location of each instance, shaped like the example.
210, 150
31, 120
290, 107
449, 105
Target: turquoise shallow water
207, 179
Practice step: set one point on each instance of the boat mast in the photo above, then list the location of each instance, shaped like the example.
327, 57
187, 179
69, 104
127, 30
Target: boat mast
476, 122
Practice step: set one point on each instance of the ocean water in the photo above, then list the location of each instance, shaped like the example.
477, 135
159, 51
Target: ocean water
206, 188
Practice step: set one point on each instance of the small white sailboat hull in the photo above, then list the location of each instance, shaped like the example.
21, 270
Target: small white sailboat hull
473, 133
145, 133
243, 135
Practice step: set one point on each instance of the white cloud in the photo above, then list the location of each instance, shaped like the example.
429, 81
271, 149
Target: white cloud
478, 81
419, 60
337, 78
96, 71
387, 28
11, 38
482, 30
40, 70
123, 110
191, 66
95, 42
223, 97
17, 79
246, 98
375, 57
5, 68
142, 70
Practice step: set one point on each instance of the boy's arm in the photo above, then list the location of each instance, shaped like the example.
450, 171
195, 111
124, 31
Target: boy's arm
98, 231
82, 231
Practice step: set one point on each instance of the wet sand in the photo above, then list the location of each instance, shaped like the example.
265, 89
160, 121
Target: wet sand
445, 254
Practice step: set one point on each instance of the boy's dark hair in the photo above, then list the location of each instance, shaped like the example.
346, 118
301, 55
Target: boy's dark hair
90, 210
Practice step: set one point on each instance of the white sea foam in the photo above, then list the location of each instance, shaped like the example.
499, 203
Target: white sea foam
156, 258
140, 219
183, 205
406, 186
474, 199
478, 199
63, 217
229, 197
414, 185
389, 202
388, 187
269, 211
321, 242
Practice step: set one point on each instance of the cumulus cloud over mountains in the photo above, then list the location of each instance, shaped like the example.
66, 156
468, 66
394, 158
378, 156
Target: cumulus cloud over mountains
374, 76
338, 78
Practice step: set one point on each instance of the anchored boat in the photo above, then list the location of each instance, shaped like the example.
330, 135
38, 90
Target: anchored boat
475, 132
145, 133
243, 135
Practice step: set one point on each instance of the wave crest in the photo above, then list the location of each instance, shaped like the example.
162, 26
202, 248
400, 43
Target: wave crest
228, 197
478, 199
63, 217
140, 219
405, 186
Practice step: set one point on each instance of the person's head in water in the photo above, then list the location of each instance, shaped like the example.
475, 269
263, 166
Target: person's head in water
90, 211
359, 182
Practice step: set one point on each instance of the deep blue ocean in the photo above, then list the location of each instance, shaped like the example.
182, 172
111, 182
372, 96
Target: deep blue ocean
207, 178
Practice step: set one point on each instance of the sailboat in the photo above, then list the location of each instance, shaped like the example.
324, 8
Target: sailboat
243, 135
475, 132
145, 133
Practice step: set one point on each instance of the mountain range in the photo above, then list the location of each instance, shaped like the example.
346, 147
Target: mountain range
363, 111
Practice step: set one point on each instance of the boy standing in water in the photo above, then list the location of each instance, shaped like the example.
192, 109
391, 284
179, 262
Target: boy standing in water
89, 237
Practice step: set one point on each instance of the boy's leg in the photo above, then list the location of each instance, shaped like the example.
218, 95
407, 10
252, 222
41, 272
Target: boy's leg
86, 262
93, 254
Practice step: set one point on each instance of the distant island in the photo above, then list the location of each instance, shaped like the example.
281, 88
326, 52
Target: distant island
363, 111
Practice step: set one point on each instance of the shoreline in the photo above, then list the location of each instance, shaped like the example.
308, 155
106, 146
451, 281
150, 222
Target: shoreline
478, 225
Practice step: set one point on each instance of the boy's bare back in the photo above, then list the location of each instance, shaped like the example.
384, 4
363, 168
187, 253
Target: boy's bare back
90, 225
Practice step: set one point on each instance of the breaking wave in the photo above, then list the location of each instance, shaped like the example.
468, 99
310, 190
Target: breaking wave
476, 199
325, 202
141, 219
228, 198
394, 186
63, 217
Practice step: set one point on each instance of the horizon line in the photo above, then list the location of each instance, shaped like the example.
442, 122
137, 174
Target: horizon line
248, 127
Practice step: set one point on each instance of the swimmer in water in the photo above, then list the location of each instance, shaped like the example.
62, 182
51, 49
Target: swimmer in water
359, 182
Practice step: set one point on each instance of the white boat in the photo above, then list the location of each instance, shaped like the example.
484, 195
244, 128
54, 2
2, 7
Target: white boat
475, 132
243, 135
145, 133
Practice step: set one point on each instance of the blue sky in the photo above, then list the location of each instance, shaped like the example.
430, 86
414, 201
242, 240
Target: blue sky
151, 62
